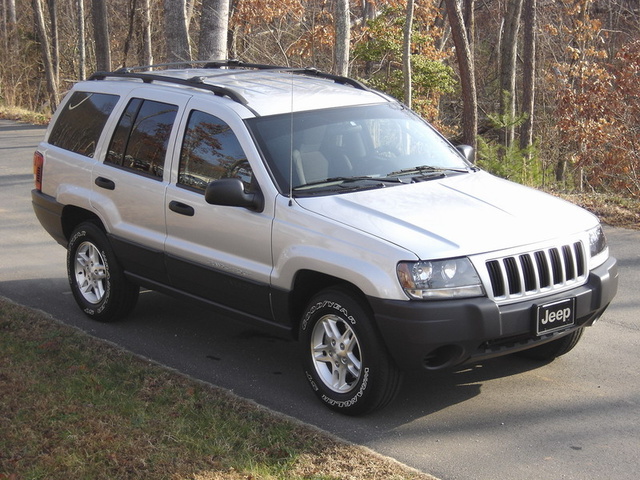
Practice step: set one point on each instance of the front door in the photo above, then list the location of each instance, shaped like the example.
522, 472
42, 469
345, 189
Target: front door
219, 253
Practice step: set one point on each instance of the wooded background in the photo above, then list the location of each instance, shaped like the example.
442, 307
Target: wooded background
547, 90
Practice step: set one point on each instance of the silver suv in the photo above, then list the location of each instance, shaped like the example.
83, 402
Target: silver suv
309, 204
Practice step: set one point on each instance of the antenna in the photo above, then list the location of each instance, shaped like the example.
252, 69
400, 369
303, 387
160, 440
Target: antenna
291, 148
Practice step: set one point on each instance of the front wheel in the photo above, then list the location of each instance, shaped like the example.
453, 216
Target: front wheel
97, 281
345, 361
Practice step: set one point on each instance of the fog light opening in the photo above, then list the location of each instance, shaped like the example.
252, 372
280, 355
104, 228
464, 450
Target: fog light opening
443, 357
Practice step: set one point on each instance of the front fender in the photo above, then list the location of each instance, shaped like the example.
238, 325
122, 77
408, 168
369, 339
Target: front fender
303, 240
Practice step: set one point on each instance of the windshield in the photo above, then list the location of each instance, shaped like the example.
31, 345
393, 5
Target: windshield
362, 147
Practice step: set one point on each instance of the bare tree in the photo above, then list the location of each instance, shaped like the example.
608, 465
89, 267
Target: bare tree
147, 52
55, 44
176, 33
406, 53
133, 7
470, 22
214, 28
508, 56
529, 18
9, 23
101, 35
45, 48
343, 37
467, 73
82, 53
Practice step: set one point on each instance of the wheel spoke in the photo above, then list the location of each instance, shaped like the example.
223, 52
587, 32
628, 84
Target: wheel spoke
354, 365
82, 259
331, 330
340, 378
320, 353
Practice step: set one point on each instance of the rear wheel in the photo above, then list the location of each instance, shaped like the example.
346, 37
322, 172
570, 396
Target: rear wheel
554, 349
345, 361
97, 281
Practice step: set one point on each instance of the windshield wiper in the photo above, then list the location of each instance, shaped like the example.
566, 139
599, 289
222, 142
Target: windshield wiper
427, 169
338, 181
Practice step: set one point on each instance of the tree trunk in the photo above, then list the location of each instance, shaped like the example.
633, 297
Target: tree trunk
406, 53
508, 56
133, 6
101, 35
214, 30
176, 33
147, 52
82, 52
528, 72
343, 37
46, 54
470, 22
55, 44
467, 73
10, 24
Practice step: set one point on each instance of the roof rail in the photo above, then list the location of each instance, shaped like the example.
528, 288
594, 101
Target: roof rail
197, 82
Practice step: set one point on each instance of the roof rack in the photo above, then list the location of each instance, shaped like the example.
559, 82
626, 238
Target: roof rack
146, 74
217, 64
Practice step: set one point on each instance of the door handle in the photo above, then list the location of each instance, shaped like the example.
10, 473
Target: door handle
181, 208
105, 183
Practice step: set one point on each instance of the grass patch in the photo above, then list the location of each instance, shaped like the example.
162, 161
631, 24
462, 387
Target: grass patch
23, 115
76, 407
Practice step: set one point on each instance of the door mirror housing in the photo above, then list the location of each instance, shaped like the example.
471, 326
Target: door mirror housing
230, 192
467, 152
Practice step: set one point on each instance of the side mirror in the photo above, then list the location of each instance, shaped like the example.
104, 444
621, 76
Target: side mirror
467, 152
230, 192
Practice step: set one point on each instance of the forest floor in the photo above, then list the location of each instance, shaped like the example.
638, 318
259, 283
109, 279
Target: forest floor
612, 210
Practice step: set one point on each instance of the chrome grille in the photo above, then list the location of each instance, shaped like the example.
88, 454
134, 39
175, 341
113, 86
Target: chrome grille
530, 273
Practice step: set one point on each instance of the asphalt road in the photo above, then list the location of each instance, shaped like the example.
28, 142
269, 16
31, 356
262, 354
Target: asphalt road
509, 418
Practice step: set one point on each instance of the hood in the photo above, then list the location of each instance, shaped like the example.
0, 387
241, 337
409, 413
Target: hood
464, 214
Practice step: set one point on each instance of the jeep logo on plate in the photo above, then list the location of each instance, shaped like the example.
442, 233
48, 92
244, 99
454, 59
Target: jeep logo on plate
555, 316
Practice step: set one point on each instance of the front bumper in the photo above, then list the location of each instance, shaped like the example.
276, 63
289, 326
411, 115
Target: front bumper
441, 334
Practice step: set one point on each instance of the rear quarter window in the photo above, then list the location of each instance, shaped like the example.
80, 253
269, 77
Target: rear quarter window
81, 121
141, 139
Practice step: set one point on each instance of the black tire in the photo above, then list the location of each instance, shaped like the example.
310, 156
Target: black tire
554, 349
97, 281
344, 359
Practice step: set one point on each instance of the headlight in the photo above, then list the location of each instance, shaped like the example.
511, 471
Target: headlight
440, 279
598, 249
597, 241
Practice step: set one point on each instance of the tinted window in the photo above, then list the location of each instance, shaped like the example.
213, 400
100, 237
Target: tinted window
210, 151
140, 140
81, 121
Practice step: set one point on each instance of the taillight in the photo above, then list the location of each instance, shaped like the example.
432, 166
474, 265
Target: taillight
38, 163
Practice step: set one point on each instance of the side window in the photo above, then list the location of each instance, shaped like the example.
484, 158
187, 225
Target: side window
81, 121
139, 142
210, 151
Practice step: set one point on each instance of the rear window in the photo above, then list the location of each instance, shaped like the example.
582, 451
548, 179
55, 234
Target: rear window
81, 121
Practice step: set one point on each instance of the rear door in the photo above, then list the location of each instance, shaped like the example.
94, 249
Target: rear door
129, 185
219, 253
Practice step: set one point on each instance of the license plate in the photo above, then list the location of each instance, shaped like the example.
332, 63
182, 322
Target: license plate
555, 316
